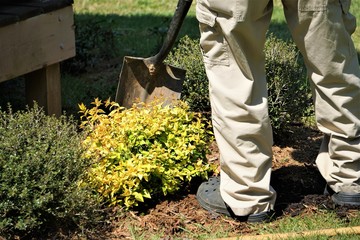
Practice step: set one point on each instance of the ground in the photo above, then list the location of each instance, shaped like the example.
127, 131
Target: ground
298, 184
295, 177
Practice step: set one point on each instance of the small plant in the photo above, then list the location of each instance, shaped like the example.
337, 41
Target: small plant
40, 168
145, 151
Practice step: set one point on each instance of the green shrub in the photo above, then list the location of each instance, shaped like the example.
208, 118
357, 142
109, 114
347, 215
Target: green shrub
146, 151
288, 88
40, 169
289, 93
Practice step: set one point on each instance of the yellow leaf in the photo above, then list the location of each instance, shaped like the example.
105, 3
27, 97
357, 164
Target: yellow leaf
146, 193
138, 196
82, 107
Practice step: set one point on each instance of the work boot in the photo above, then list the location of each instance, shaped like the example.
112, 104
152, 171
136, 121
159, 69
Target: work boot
209, 197
342, 198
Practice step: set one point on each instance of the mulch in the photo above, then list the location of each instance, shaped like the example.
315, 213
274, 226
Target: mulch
295, 177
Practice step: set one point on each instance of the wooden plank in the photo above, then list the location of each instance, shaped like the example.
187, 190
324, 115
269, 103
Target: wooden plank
44, 87
36, 42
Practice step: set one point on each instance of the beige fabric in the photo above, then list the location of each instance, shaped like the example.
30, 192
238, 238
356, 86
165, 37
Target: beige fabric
232, 41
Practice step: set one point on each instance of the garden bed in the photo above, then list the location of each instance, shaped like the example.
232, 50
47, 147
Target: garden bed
298, 184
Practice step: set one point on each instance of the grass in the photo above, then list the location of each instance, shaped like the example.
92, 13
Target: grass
135, 21
304, 223
138, 27
161, 9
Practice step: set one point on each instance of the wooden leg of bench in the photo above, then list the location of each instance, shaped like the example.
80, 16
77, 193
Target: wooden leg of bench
44, 87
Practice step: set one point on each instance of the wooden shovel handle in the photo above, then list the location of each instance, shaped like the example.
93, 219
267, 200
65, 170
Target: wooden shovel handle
174, 28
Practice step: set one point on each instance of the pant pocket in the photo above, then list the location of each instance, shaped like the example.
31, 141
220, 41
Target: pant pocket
213, 45
228, 8
312, 5
238, 10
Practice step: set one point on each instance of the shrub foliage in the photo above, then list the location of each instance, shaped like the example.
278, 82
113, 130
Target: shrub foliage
288, 88
145, 151
40, 167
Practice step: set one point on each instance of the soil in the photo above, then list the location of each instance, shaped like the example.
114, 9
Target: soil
295, 177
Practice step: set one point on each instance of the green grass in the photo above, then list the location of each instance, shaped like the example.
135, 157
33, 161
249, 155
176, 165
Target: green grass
289, 225
127, 7
355, 10
138, 27
144, 13
139, 24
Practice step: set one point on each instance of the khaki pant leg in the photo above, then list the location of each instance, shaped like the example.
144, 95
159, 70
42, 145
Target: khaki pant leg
322, 30
232, 41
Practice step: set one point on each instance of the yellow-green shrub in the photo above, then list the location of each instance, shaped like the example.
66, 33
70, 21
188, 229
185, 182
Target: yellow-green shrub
144, 151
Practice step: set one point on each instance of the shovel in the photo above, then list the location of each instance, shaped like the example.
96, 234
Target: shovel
147, 79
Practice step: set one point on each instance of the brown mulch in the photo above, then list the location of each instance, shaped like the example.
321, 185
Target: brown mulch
295, 178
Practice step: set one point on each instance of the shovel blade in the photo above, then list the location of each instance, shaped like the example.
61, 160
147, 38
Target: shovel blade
137, 85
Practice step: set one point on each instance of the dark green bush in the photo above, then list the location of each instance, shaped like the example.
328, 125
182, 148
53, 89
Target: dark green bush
40, 168
289, 93
288, 88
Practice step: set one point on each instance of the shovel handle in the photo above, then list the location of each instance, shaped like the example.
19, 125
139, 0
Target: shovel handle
174, 28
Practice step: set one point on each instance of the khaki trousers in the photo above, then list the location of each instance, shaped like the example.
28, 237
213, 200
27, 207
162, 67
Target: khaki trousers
232, 41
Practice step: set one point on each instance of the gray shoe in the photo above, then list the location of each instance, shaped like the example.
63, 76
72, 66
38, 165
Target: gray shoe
209, 197
342, 198
346, 199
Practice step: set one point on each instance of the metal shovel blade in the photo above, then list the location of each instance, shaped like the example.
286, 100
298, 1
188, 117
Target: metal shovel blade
136, 84
144, 79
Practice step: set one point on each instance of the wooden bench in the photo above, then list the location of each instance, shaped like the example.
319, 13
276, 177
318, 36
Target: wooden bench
35, 36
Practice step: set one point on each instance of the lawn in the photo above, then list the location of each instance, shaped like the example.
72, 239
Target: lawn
132, 28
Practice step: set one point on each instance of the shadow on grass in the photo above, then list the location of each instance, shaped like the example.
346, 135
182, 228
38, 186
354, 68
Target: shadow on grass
101, 43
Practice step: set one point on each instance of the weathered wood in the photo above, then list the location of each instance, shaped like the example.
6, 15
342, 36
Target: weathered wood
44, 87
35, 36
36, 42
